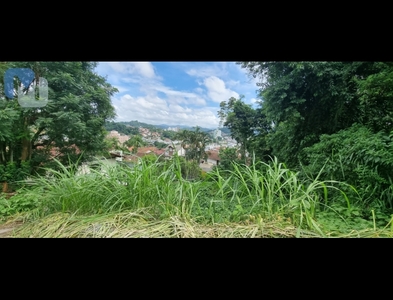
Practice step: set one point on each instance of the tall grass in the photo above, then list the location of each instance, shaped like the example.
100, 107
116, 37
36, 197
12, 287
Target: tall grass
256, 194
271, 190
113, 189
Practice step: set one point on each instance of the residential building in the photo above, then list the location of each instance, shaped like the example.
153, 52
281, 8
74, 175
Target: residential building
217, 133
180, 150
121, 138
213, 157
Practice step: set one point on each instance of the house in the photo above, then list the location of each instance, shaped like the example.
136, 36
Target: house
131, 158
142, 151
169, 151
121, 138
217, 133
54, 151
213, 157
180, 150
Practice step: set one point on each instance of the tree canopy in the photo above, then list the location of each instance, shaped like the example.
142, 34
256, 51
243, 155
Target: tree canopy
304, 100
332, 120
194, 142
72, 122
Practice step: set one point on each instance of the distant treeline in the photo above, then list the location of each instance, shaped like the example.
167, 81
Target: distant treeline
131, 127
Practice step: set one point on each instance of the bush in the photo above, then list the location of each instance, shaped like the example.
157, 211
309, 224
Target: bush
358, 157
190, 170
18, 203
12, 172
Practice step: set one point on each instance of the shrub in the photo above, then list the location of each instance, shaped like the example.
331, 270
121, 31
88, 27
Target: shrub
358, 157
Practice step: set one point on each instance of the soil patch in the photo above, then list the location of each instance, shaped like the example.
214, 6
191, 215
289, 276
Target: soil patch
6, 229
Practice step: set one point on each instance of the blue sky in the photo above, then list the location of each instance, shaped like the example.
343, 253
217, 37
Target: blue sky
175, 93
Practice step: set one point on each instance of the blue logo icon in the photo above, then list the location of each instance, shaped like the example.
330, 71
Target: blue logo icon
27, 88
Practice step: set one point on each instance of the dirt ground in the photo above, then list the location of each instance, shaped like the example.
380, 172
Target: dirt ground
7, 228
206, 167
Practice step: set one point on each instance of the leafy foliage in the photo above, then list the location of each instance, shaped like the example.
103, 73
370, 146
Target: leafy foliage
136, 142
240, 119
194, 142
228, 156
358, 157
304, 100
70, 124
121, 128
14, 205
376, 92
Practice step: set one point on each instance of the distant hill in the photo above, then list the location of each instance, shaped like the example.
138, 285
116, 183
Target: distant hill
139, 124
130, 126
225, 130
164, 126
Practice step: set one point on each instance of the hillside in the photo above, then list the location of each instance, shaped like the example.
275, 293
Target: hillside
130, 127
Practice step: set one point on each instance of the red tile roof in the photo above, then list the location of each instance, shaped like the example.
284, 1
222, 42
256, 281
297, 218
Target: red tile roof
213, 155
54, 151
142, 151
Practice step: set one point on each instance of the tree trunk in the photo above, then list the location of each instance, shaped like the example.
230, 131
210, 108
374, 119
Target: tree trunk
25, 143
4, 152
30, 150
244, 150
5, 187
11, 153
25, 149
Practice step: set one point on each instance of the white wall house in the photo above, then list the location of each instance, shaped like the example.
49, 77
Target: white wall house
170, 150
180, 150
217, 133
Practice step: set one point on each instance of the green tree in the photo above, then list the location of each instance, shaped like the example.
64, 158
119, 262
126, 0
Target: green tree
376, 95
306, 99
357, 156
169, 134
72, 121
136, 142
194, 142
121, 128
227, 157
244, 122
201, 139
159, 145
111, 143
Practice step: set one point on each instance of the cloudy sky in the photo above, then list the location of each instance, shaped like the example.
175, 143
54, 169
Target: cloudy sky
175, 93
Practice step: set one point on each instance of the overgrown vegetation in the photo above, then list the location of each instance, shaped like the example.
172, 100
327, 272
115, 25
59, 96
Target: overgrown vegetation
268, 194
326, 119
314, 159
71, 123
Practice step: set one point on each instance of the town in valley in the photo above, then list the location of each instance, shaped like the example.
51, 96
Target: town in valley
161, 141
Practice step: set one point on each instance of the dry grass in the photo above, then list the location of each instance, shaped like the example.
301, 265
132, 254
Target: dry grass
141, 224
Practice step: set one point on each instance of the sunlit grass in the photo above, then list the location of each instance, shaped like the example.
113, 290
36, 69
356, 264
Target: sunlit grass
153, 199
142, 224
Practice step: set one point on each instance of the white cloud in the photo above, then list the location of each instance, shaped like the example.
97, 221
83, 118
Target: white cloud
171, 92
233, 83
154, 110
179, 96
143, 95
144, 69
217, 90
250, 79
199, 90
121, 89
206, 72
